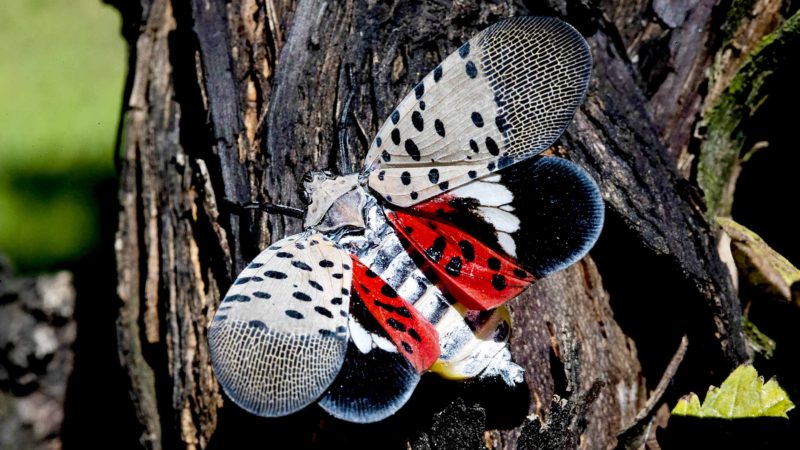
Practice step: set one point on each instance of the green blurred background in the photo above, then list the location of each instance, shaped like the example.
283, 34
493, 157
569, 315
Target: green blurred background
61, 82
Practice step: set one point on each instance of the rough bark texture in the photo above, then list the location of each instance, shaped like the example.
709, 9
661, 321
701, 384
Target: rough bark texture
37, 330
231, 102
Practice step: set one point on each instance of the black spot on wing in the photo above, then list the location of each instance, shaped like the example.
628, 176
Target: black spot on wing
395, 117
236, 298
419, 91
471, 70
413, 333
464, 50
474, 146
437, 73
416, 120
444, 185
315, 285
301, 265
394, 323
326, 263
414, 195
254, 265
257, 324
381, 175
412, 150
396, 136
403, 312
284, 255
436, 251
433, 176
262, 294
336, 301
453, 267
386, 157
323, 311
388, 291
293, 314
244, 280
477, 119
472, 174
385, 306
301, 296
407, 347
498, 282
439, 126
491, 145
405, 178
493, 263
378, 141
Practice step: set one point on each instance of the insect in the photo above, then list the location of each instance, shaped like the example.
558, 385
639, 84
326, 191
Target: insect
404, 267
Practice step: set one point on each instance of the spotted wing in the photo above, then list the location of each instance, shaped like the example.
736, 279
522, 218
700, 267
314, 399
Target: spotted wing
503, 97
475, 275
545, 213
280, 334
391, 345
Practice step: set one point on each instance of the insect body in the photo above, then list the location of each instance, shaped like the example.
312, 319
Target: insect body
404, 267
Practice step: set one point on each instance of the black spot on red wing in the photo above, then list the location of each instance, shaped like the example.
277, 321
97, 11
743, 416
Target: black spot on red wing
301, 296
491, 145
284, 255
363, 288
388, 291
439, 126
395, 117
477, 119
412, 150
301, 265
403, 312
414, 195
498, 282
472, 174
385, 306
493, 263
408, 229
315, 285
262, 294
471, 70
419, 90
394, 323
395, 136
436, 251
433, 176
370, 273
293, 314
324, 311
444, 185
275, 274
474, 146
326, 263
413, 333
437, 73
453, 266
464, 50
521, 274
237, 298
416, 120
407, 347
467, 250
431, 225
336, 301
405, 178
386, 156
381, 175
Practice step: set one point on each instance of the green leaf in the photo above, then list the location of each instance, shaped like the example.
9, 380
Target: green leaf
743, 394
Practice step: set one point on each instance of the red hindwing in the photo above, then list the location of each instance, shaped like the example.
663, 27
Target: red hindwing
477, 276
413, 335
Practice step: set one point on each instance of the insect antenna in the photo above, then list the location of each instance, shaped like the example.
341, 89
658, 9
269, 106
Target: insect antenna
271, 208
345, 167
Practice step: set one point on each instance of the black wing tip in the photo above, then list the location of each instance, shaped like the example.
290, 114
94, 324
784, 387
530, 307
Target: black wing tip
577, 213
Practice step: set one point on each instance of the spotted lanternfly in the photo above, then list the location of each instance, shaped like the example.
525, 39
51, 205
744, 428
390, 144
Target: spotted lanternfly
404, 267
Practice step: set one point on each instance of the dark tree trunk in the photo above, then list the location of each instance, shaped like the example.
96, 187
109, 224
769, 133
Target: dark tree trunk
232, 102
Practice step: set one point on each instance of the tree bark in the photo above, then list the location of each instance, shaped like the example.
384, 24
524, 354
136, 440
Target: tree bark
233, 102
